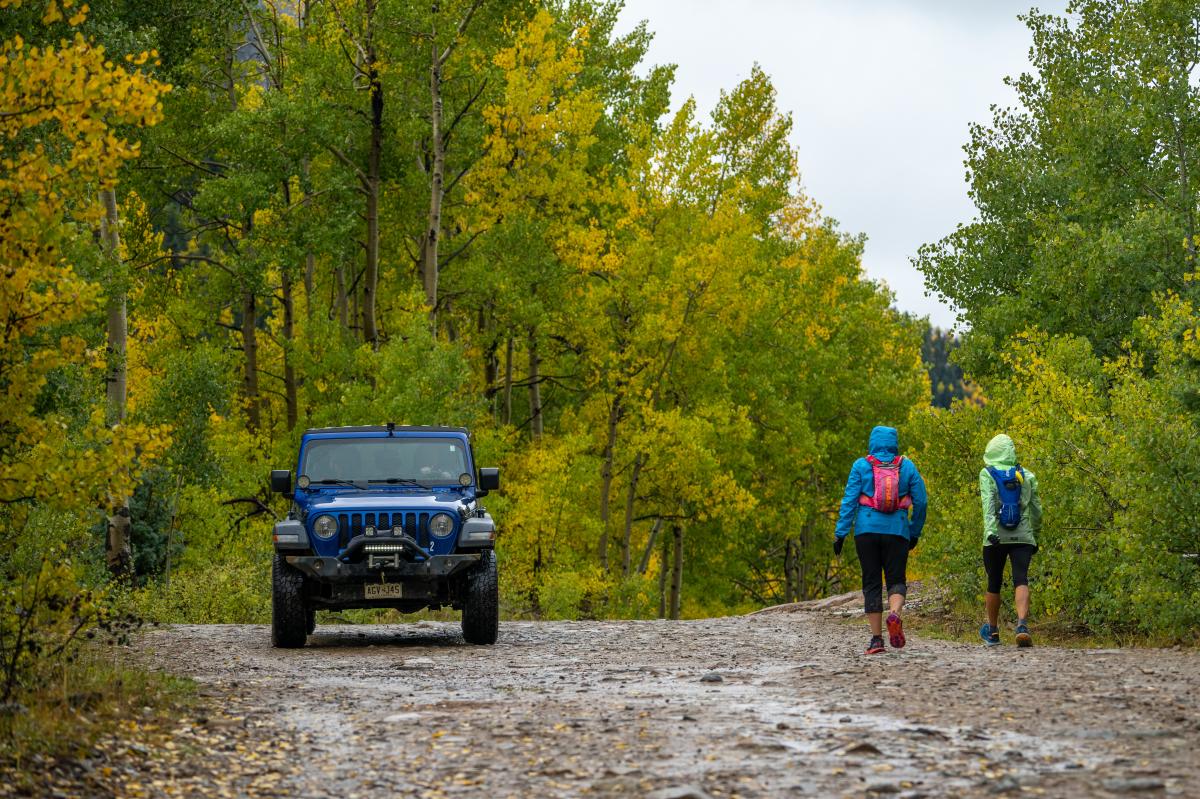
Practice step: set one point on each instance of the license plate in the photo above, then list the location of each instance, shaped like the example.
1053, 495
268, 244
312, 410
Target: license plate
383, 591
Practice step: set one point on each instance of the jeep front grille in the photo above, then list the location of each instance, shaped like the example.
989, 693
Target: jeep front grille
416, 525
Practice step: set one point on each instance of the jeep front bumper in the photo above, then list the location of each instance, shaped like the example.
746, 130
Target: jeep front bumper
332, 570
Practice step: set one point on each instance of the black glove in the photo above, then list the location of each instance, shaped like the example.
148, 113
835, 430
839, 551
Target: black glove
837, 545
993, 539
912, 544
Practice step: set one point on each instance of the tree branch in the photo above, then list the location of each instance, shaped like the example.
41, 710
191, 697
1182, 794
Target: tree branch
345, 159
446, 261
458, 34
463, 112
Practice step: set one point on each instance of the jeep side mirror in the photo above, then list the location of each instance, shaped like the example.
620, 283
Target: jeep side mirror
489, 480
281, 481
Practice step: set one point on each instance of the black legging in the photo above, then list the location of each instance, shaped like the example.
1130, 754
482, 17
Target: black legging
880, 552
994, 556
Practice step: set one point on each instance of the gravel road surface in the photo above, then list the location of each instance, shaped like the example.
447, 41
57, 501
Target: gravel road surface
775, 704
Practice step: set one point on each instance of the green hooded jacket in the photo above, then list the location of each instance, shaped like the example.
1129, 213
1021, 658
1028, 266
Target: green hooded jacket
1002, 454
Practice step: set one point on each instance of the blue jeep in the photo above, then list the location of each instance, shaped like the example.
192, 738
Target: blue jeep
384, 517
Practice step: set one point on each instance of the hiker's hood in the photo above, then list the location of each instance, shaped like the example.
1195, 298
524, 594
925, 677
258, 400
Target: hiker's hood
1001, 453
884, 443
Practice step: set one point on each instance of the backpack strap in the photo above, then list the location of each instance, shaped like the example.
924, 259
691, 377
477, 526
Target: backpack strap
895, 464
1000, 475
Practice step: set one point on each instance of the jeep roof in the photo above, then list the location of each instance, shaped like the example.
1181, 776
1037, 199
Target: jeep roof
380, 428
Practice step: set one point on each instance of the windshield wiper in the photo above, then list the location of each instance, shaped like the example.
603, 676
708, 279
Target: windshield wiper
360, 484
404, 481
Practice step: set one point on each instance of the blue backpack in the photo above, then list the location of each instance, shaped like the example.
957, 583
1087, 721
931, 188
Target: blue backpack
1009, 483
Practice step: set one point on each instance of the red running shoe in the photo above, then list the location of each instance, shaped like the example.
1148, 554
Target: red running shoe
895, 631
876, 645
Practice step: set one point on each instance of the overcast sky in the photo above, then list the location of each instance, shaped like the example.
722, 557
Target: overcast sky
881, 93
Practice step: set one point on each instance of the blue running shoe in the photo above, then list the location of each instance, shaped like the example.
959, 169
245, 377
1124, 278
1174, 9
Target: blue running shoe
989, 634
1023, 636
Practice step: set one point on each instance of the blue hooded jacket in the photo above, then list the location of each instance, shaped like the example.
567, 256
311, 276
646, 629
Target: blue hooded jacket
884, 445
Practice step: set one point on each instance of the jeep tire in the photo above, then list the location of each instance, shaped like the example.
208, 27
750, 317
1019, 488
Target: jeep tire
481, 601
289, 616
310, 620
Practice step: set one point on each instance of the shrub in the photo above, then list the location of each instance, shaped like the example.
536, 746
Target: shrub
1115, 446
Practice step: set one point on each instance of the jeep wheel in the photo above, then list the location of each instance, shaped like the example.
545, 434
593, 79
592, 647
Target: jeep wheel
481, 602
289, 617
310, 620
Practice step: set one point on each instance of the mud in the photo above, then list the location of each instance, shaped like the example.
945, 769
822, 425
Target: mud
775, 704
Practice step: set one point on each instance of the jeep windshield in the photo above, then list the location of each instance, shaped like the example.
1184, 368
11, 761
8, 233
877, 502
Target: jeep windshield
384, 461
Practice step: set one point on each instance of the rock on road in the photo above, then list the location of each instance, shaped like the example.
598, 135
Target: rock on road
635, 708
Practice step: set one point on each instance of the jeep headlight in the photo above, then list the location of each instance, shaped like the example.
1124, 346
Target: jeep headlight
325, 526
442, 524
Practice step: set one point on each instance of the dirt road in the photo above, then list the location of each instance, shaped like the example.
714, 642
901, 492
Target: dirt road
777, 704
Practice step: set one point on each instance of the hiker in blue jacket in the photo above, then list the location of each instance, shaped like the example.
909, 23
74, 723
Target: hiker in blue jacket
881, 491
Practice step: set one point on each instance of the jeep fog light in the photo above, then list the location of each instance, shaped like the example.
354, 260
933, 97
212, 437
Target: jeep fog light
441, 524
287, 538
325, 526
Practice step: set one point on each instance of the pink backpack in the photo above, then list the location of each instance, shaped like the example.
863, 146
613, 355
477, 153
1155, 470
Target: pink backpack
887, 497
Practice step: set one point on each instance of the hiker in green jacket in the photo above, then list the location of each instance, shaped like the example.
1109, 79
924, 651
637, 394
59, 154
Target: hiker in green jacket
1012, 520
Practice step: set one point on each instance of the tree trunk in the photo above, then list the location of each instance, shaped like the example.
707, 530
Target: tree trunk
250, 350
230, 63
288, 296
310, 260
118, 553
118, 550
289, 355
171, 526
645, 564
535, 388
606, 476
491, 370
341, 300
437, 177
451, 327
355, 317
663, 566
491, 361
437, 167
677, 569
310, 267
374, 162
793, 590
630, 497
508, 374
801, 564
110, 237
787, 570
1186, 200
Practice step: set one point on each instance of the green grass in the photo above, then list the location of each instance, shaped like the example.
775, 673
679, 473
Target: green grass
93, 695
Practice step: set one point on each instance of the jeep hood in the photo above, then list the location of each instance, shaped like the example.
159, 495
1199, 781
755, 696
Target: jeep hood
370, 501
